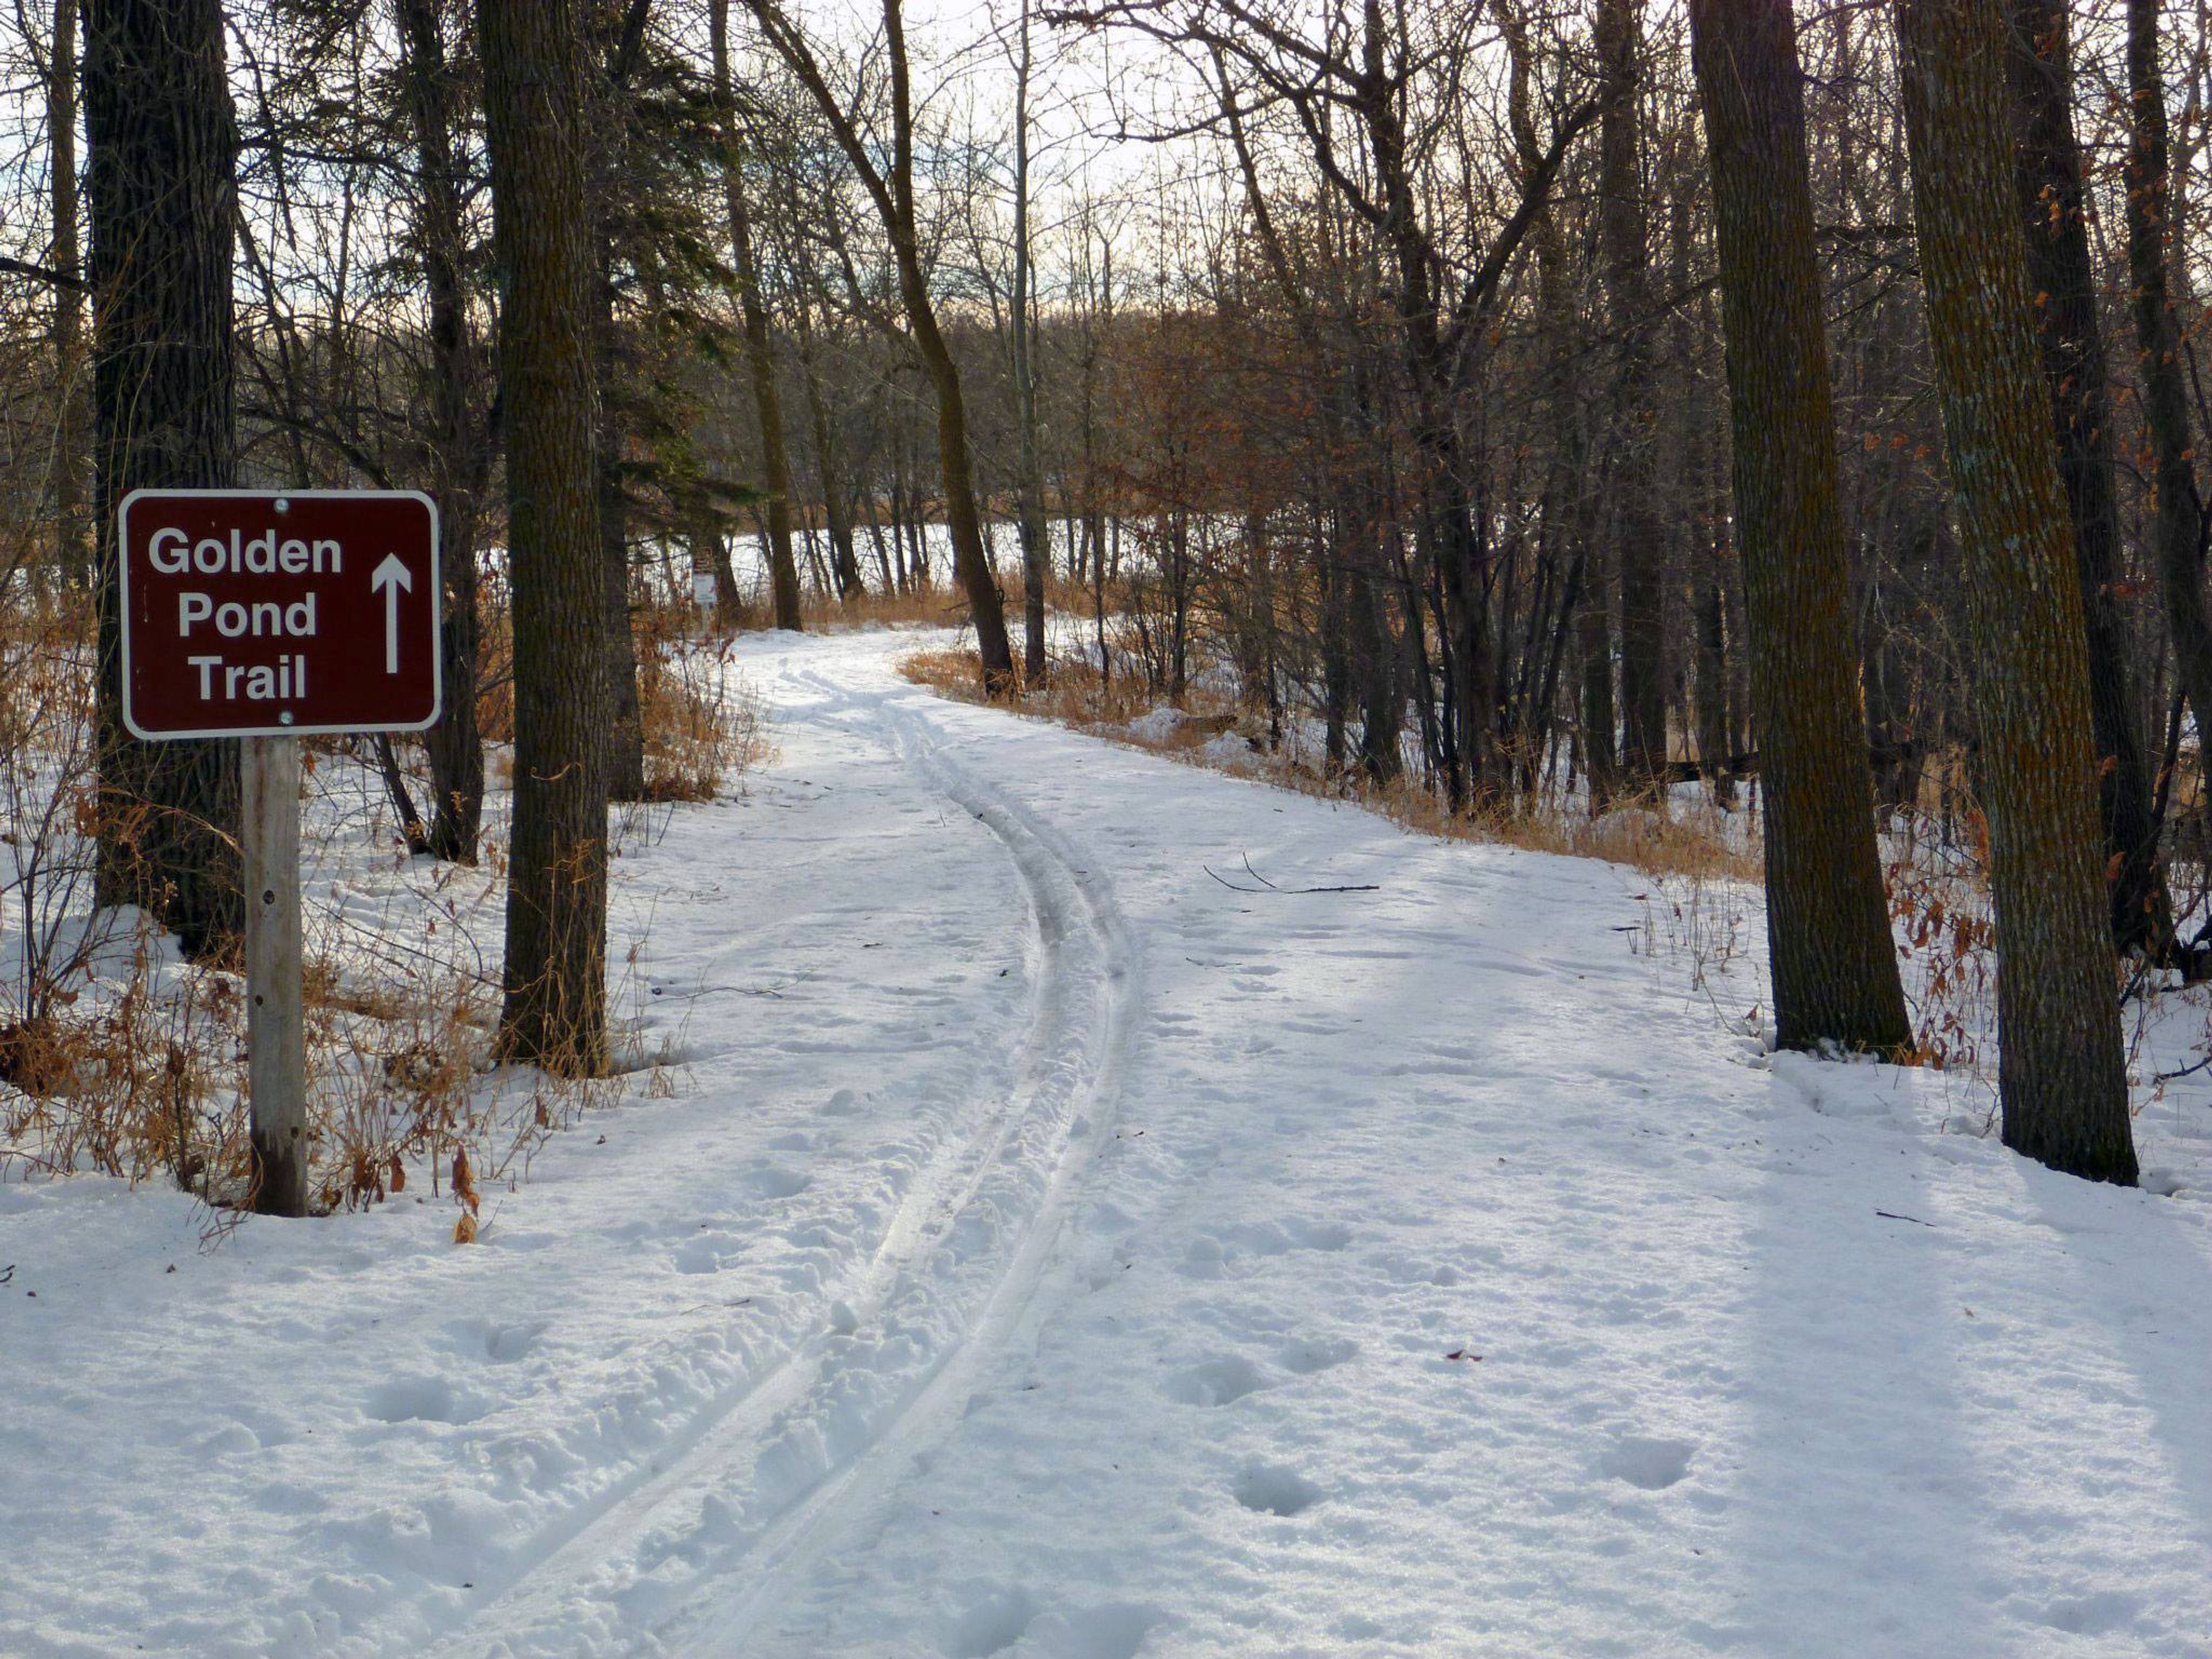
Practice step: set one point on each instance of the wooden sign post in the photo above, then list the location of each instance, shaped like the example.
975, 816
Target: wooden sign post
276, 1028
264, 616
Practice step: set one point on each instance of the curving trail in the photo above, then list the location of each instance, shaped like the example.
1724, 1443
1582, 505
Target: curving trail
1039, 1247
761, 1487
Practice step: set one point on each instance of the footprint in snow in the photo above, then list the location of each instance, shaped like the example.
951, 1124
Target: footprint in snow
2097, 1614
1651, 1464
1272, 1489
487, 1339
421, 1399
1216, 1381
991, 1624
1210, 1254
1117, 1630
771, 1181
707, 1253
1304, 1356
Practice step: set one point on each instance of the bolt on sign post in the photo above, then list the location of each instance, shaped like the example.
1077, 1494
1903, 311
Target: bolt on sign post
264, 617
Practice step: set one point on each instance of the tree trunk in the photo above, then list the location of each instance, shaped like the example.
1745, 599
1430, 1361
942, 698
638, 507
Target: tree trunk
1834, 970
625, 729
760, 356
986, 605
1702, 518
709, 552
1383, 703
710, 535
1566, 491
1639, 537
1593, 637
73, 443
2062, 1072
161, 142
1447, 537
535, 103
971, 564
1712, 681
1037, 545
2052, 205
619, 24
2178, 529
458, 463
829, 467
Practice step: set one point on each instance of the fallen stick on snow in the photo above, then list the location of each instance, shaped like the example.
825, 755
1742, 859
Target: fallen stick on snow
1266, 886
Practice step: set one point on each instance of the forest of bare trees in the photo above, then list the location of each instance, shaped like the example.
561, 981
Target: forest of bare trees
1535, 407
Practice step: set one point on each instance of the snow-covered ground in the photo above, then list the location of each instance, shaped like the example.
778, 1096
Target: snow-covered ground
1050, 1249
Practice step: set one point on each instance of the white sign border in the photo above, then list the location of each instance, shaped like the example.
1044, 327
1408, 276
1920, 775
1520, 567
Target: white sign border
437, 613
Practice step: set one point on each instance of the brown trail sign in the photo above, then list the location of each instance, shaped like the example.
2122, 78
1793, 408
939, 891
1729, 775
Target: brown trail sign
262, 616
253, 615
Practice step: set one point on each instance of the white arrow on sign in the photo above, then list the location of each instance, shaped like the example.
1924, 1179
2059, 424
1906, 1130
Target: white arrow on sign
392, 576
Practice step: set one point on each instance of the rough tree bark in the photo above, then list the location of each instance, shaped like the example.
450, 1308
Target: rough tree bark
2053, 207
2062, 1072
161, 142
459, 459
535, 102
760, 354
1834, 970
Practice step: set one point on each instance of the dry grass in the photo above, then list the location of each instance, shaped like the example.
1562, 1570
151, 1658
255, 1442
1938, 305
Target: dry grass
1698, 889
116, 1057
946, 606
700, 725
495, 668
1688, 844
937, 607
126, 1088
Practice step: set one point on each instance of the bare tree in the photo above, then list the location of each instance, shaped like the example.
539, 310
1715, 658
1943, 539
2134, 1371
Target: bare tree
2062, 1073
1641, 550
460, 456
73, 448
1835, 975
2054, 211
1037, 553
891, 190
760, 354
2178, 529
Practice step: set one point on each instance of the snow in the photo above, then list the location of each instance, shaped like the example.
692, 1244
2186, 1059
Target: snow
1047, 1251
1155, 725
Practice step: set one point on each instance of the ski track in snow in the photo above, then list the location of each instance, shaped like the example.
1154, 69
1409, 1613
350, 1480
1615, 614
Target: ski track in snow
1054, 1255
819, 1434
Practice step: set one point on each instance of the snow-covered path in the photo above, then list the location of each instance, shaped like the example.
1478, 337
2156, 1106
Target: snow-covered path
1054, 1252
